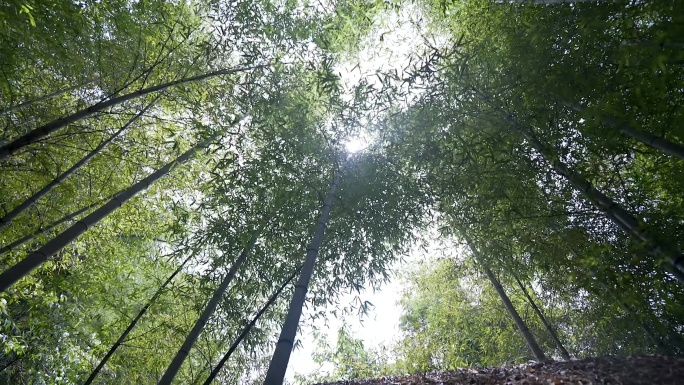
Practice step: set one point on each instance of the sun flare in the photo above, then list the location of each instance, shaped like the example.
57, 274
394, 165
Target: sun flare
355, 145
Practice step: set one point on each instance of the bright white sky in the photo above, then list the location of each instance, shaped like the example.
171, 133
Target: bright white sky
381, 325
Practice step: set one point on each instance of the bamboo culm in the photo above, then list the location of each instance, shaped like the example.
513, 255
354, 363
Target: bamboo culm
621, 217
650, 334
134, 322
519, 323
46, 97
60, 178
249, 327
276, 369
651, 140
184, 350
40, 256
522, 327
561, 348
55, 125
36, 233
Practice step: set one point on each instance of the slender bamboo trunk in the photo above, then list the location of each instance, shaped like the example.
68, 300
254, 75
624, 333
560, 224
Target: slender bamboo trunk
249, 327
134, 322
48, 96
522, 327
651, 140
36, 233
55, 125
38, 257
276, 369
621, 217
60, 178
183, 352
519, 323
564, 353
611, 209
650, 334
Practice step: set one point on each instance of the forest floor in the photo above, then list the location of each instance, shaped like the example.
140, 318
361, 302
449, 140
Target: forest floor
637, 370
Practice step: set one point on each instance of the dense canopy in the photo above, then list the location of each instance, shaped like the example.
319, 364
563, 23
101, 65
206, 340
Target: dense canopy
168, 166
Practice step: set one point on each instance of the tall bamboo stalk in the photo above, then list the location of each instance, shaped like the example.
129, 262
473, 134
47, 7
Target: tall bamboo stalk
611, 209
519, 323
650, 334
184, 350
48, 96
55, 125
134, 322
60, 178
552, 331
54, 224
38, 257
651, 140
522, 326
249, 327
276, 369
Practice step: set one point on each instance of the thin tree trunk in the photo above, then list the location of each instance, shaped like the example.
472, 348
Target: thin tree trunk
564, 353
651, 140
522, 327
249, 327
276, 369
55, 125
134, 322
650, 334
60, 178
183, 352
519, 323
645, 328
48, 96
36, 233
621, 217
38, 257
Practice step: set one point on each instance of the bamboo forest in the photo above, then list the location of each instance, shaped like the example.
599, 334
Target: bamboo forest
190, 188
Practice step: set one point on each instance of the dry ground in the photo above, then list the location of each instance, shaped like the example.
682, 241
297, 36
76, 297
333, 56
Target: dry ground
638, 370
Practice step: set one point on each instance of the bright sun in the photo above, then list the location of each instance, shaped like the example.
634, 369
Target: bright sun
355, 145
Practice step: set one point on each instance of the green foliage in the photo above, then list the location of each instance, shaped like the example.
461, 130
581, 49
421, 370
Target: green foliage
452, 318
455, 131
349, 359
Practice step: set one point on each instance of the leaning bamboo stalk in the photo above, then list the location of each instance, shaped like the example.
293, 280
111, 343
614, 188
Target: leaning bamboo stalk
552, 331
611, 209
26, 204
197, 329
621, 217
55, 125
134, 322
522, 326
651, 140
40, 256
278, 365
36, 233
48, 96
249, 327
508, 305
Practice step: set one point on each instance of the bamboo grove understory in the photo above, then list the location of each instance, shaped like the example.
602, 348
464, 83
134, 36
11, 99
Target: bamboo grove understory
168, 169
